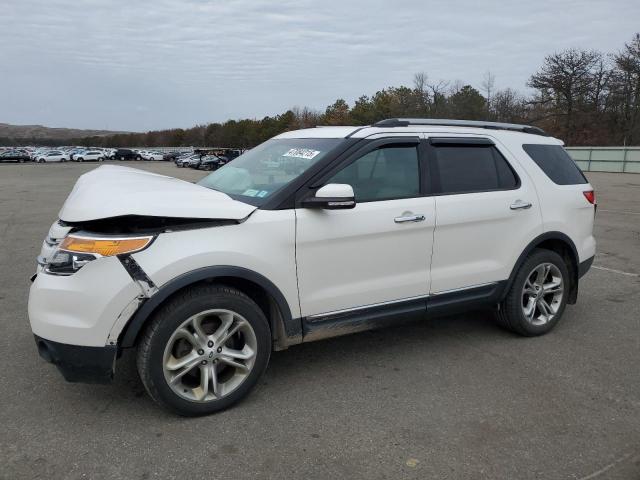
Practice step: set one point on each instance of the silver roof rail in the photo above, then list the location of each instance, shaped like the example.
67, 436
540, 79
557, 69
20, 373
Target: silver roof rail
406, 122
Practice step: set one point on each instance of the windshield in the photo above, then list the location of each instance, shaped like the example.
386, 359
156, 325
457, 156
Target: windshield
267, 168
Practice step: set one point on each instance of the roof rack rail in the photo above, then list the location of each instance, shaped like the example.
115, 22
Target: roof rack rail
405, 122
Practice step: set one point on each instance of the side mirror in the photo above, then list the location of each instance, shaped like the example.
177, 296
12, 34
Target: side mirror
333, 196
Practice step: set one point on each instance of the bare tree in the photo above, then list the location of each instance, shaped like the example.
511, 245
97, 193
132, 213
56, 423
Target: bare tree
488, 82
438, 97
564, 81
420, 88
626, 90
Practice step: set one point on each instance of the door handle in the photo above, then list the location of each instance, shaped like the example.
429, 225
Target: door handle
409, 218
520, 205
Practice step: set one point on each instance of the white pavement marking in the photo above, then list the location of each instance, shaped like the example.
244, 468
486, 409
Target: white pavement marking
613, 270
610, 466
622, 212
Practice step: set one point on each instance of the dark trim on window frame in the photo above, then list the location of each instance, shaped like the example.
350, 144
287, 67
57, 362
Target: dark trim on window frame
462, 142
362, 148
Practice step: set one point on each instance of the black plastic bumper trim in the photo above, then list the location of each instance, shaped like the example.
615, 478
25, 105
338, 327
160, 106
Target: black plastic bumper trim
584, 267
78, 363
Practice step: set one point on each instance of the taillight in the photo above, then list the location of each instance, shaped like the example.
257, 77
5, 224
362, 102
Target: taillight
590, 195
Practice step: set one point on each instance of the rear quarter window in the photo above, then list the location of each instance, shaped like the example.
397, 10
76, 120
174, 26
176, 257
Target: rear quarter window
556, 163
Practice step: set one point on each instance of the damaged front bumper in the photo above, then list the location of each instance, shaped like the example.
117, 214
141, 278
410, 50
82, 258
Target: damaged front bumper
79, 363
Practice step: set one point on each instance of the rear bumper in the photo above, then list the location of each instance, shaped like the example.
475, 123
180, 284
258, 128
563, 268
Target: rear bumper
585, 266
79, 363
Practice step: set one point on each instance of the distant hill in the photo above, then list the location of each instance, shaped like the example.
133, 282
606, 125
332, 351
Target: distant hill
39, 132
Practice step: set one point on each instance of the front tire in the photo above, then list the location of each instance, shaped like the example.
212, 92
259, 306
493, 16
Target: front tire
538, 296
204, 350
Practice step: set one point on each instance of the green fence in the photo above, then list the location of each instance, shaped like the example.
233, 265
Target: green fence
607, 159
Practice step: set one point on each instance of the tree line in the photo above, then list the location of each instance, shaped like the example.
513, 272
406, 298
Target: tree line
584, 97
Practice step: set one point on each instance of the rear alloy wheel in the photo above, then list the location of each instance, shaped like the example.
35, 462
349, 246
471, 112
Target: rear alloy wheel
80, 159
204, 350
542, 294
538, 296
100, 159
41, 160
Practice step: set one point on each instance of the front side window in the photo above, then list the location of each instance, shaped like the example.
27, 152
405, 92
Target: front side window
260, 172
556, 163
387, 173
471, 168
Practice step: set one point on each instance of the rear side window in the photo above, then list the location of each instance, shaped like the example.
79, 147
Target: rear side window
556, 163
472, 168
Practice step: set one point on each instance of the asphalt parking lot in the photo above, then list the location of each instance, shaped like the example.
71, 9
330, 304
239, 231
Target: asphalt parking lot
446, 398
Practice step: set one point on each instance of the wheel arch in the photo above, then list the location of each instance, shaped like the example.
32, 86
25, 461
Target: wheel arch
561, 244
285, 330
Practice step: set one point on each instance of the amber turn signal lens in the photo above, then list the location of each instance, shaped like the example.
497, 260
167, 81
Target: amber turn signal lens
104, 246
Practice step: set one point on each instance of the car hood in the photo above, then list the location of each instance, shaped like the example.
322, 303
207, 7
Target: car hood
114, 191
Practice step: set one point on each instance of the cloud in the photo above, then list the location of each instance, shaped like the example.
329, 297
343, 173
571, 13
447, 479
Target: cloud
151, 64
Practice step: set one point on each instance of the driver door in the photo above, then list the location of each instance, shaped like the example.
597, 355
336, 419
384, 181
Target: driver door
378, 252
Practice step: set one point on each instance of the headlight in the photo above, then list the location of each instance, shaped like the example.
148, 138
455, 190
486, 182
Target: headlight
75, 251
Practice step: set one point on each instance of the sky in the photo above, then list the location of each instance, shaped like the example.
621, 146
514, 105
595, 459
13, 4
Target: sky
139, 65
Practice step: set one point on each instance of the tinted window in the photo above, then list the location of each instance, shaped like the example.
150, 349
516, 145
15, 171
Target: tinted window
556, 163
472, 169
383, 174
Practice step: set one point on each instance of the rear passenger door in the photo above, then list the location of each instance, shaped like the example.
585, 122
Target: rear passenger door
486, 212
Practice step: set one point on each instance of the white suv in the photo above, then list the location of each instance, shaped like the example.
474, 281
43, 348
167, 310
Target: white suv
89, 156
315, 233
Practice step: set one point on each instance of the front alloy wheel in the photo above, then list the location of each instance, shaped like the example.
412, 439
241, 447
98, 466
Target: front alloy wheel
204, 350
210, 355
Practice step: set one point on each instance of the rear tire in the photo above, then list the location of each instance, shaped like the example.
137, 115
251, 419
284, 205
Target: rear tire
172, 337
538, 296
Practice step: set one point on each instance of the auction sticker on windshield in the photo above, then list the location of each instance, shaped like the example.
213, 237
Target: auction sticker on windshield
301, 153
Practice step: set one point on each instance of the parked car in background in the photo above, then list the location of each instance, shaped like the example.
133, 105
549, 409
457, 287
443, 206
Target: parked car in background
171, 156
73, 152
109, 153
53, 156
14, 156
151, 155
212, 162
90, 156
184, 160
127, 154
194, 161
38, 152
